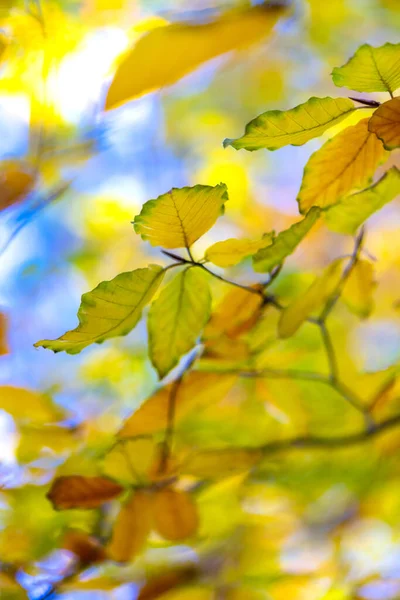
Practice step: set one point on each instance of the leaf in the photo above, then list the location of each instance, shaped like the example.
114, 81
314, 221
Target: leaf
17, 180
27, 405
221, 463
344, 164
87, 548
130, 461
44, 440
284, 244
175, 515
177, 318
178, 218
358, 290
76, 491
371, 69
351, 212
132, 526
230, 252
165, 54
237, 312
196, 390
277, 128
299, 310
113, 308
157, 586
385, 122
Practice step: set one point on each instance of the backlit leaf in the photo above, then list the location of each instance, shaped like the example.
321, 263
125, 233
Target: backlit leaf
300, 309
230, 252
166, 54
16, 181
345, 163
132, 526
351, 212
175, 515
235, 314
277, 128
371, 69
178, 218
27, 405
76, 491
385, 122
130, 460
221, 463
45, 440
113, 308
196, 390
358, 290
177, 318
284, 244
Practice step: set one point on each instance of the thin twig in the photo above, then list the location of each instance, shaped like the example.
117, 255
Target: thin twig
330, 352
247, 288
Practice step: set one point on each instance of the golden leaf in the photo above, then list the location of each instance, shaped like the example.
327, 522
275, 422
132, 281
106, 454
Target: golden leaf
358, 290
166, 54
175, 515
178, 218
345, 163
132, 526
17, 180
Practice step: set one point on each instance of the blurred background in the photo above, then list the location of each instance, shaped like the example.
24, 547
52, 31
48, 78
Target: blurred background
311, 525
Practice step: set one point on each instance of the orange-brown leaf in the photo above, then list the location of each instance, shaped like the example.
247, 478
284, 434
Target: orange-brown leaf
132, 527
4, 349
87, 548
76, 491
175, 515
385, 123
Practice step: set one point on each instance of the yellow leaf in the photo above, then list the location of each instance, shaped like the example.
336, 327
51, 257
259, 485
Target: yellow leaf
385, 122
195, 390
230, 252
351, 212
132, 526
284, 244
345, 163
178, 218
358, 290
130, 461
42, 440
220, 463
175, 515
299, 310
237, 312
177, 317
76, 491
27, 405
371, 69
277, 128
166, 54
189, 593
17, 179
113, 308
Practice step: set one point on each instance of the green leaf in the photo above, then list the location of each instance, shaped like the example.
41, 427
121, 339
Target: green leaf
371, 69
230, 252
113, 308
284, 244
344, 164
315, 296
177, 318
178, 218
351, 212
277, 128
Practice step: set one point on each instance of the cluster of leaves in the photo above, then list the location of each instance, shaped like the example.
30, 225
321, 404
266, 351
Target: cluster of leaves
155, 470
